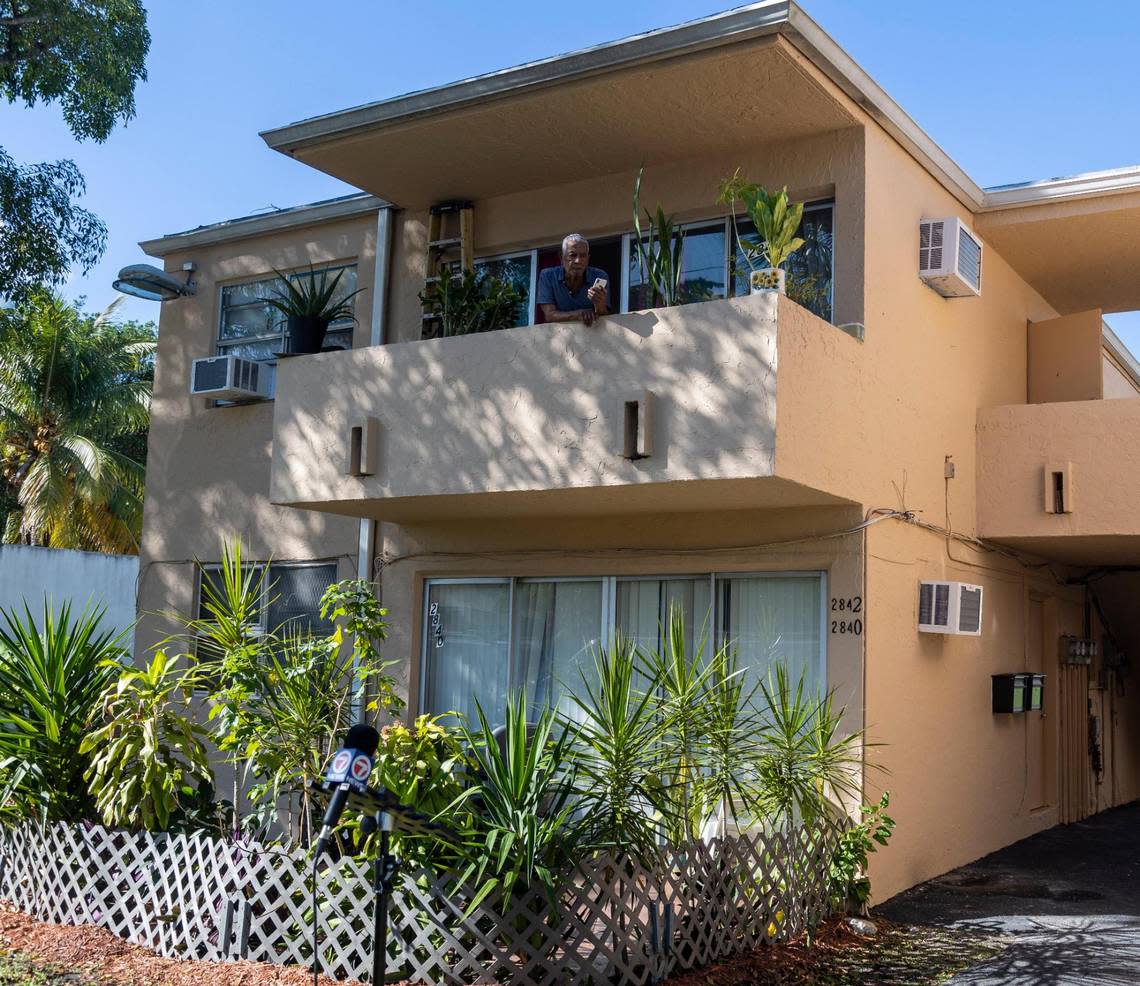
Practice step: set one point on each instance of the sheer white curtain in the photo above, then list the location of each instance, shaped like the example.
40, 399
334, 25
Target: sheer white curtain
557, 625
773, 619
467, 648
643, 609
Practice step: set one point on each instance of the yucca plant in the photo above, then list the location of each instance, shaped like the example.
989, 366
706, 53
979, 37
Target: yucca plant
618, 750
53, 675
149, 756
659, 251
683, 676
805, 763
309, 304
520, 802
729, 727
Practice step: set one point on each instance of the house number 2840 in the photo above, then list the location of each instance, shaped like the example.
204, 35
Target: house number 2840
844, 618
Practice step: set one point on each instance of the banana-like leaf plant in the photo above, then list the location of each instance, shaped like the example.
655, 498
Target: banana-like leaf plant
776, 218
149, 754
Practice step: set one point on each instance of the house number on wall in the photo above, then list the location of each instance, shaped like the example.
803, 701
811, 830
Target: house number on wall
436, 624
844, 624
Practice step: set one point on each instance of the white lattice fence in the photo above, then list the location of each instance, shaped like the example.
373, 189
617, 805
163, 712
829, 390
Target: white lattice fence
617, 920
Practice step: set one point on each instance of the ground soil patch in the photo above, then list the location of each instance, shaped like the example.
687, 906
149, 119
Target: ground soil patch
33, 953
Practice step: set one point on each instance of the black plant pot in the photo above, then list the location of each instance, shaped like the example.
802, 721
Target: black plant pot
306, 333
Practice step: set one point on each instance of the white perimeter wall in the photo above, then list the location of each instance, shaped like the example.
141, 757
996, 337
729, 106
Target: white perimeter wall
83, 577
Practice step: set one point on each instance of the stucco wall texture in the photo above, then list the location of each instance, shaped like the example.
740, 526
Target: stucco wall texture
499, 456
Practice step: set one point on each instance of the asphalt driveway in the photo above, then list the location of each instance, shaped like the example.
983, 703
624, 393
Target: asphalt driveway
1068, 897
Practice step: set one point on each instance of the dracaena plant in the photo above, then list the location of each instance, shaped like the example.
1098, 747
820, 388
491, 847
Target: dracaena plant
776, 218
312, 295
149, 756
659, 251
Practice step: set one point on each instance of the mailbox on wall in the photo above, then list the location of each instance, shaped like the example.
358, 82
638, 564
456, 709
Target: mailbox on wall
1014, 693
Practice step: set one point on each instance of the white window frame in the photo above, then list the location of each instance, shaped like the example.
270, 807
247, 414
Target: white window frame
223, 346
609, 609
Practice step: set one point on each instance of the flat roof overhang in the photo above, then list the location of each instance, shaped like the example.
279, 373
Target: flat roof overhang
1078, 252
759, 90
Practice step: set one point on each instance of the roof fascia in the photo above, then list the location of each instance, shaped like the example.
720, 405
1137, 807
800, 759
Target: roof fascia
1094, 183
272, 222
756, 20
1121, 353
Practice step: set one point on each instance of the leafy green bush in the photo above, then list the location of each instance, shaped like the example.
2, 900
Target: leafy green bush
849, 883
149, 756
52, 681
472, 301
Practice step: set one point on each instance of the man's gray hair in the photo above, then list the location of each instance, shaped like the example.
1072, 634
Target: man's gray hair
574, 237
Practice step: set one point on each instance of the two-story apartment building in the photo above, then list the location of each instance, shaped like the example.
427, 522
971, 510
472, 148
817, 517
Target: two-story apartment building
799, 469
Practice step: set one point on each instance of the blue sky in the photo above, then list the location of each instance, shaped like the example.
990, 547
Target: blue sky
1036, 90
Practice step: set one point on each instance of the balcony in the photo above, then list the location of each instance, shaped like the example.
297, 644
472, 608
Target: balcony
671, 409
1093, 447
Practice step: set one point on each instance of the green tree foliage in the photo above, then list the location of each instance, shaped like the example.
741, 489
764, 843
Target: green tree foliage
52, 680
74, 412
87, 56
149, 754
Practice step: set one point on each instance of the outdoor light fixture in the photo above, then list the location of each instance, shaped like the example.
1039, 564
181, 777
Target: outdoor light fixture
146, 281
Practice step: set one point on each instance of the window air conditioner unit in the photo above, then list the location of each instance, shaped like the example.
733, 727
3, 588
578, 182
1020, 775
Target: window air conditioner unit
231, 378
950, 607
949, 257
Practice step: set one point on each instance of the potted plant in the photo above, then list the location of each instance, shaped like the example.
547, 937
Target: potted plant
309, 307
776, 220
659, 252
471, 301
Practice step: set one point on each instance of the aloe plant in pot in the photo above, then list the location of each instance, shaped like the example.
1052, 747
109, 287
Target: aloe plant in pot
309, 304
777, 220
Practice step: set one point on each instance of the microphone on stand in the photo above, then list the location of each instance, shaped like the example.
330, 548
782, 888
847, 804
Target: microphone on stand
348, 771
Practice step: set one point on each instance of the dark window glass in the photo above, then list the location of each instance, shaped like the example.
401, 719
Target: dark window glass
294, 593
809, 278
702, 268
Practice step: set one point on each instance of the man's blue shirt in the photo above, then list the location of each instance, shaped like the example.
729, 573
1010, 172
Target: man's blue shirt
552, 289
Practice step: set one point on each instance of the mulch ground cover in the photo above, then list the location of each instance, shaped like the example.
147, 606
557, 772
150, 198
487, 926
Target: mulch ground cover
898, 955
33, 953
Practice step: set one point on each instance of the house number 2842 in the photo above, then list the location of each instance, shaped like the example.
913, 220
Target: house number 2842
844, 619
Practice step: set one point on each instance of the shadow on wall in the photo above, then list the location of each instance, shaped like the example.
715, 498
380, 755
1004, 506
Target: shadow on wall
537, 408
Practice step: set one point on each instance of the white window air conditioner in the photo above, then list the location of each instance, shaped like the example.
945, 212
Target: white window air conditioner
950, 607
231, 378
949, 257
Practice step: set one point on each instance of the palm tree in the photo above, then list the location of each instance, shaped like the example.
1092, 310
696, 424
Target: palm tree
74, 411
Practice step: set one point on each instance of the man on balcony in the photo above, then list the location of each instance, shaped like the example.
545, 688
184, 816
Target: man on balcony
575, 291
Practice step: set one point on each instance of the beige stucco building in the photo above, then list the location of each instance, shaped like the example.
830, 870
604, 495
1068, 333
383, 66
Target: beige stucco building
804, 467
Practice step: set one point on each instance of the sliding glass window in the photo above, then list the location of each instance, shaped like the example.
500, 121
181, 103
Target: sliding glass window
484, 639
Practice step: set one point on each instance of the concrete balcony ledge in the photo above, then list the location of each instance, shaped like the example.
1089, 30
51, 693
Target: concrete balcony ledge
533, 420
1096, 445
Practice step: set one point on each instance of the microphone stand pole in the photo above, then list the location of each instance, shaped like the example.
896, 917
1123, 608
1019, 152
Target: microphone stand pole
383, 881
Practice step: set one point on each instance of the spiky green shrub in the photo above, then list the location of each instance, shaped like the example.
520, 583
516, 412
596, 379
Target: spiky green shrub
52, 680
